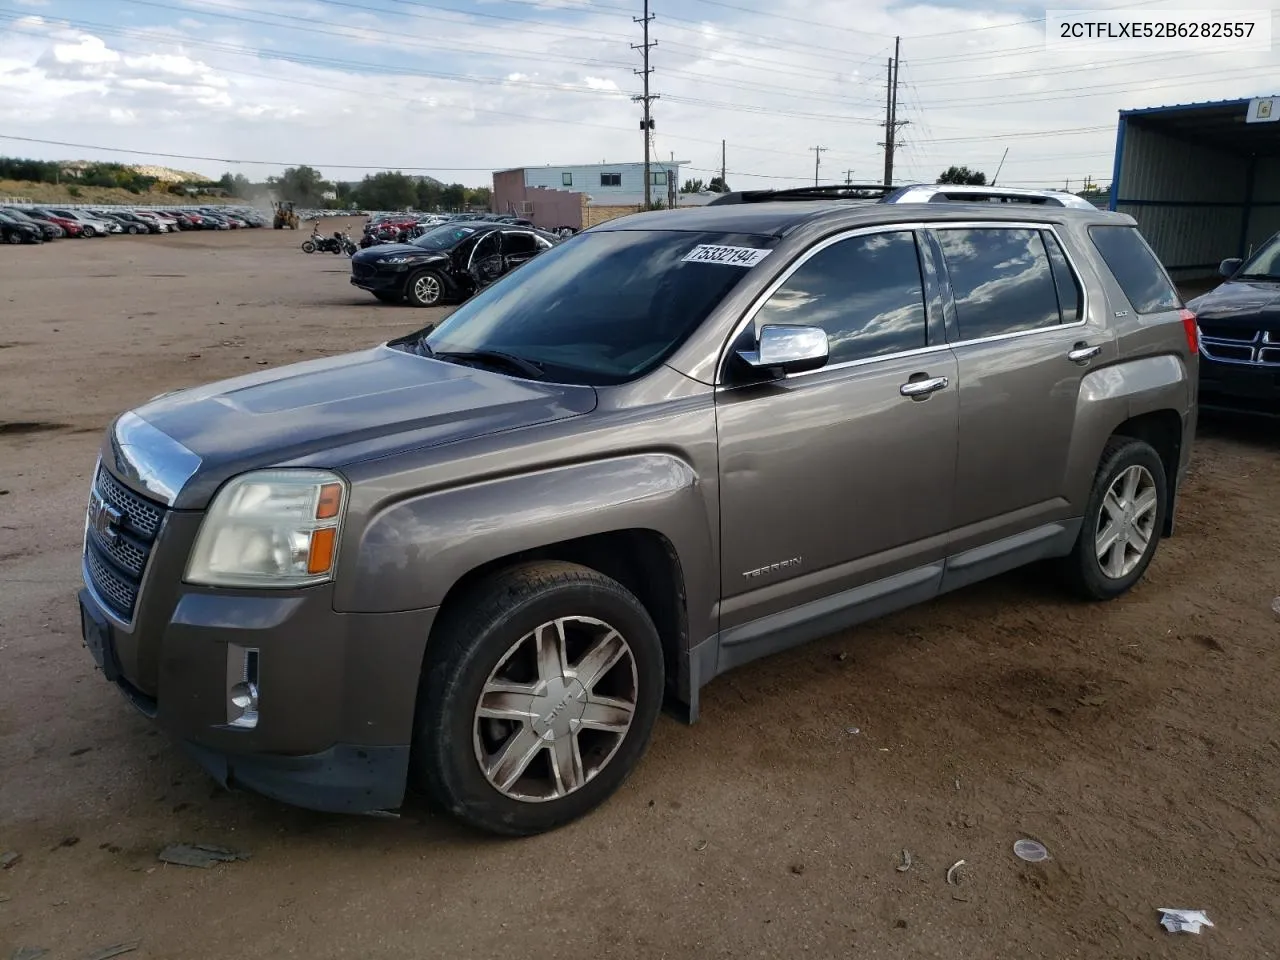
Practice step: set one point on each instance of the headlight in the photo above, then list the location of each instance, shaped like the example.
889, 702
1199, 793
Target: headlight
397, 259
270, 528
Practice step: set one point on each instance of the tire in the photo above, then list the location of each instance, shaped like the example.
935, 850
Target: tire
308, 247
388, 297
13, 238
492, 635
89, 231
1125, 561
134, 231
425, 289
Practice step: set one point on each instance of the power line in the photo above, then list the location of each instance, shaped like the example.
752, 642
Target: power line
782, 16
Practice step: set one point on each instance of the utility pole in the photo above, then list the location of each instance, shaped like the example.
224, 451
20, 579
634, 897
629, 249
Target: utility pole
646, 124
817, 162
848, 178
724, 183
891, 121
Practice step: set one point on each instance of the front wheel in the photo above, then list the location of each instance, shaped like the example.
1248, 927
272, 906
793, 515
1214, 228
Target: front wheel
538, 698
1122, 521
308, 247
424, 289
90, 232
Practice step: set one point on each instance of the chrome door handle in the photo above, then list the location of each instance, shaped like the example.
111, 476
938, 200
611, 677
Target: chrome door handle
919, 389
1082, 353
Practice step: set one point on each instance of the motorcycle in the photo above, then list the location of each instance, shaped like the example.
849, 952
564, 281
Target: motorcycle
337, 244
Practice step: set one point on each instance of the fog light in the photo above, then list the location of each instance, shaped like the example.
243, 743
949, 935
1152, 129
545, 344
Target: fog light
242, 687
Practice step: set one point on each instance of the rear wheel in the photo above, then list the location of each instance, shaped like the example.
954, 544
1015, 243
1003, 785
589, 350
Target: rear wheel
308, 247
135, 230
1122, 521
538, 698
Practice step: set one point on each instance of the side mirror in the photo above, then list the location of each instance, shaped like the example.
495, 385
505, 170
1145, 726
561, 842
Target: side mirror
784, 349
1228, 268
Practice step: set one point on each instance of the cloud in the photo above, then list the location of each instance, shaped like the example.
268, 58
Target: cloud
528, 82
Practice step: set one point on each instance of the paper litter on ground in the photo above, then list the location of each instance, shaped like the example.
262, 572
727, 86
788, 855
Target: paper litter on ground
1183, 921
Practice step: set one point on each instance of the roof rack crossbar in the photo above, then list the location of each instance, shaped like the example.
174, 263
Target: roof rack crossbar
834, 191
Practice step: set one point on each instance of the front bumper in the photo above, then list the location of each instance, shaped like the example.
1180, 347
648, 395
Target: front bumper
337, 692
1244, 387
381, 282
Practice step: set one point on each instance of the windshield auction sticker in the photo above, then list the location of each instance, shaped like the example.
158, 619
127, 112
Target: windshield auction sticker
733, 256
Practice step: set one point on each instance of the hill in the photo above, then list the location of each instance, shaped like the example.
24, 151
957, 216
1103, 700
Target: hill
36, 192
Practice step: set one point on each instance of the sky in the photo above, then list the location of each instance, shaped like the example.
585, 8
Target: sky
459, 88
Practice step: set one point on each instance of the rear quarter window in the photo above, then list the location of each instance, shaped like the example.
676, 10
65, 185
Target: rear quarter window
1140, 275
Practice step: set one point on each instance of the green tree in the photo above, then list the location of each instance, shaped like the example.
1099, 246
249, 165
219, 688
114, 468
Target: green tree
718, 185
302, 185
428, 193
453, 197
388, 190
479, 197
693, 186
963, 175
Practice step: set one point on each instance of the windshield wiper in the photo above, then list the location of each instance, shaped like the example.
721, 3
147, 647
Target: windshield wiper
530, 368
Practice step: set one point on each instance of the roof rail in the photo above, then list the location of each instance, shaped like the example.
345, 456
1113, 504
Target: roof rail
835, 191
911, 193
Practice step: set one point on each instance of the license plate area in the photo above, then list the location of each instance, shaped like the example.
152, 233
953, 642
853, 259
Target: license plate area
96, 632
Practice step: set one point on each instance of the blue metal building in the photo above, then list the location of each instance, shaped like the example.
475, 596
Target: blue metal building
1201, 179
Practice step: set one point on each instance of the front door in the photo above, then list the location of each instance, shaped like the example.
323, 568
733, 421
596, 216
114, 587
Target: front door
1020, 318
834, 478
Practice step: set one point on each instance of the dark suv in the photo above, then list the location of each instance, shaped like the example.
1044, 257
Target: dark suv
1240, 334
475, 559
450, 262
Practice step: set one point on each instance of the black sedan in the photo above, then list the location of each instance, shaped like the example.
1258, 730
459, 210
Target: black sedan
49, 231
1240, 335
451, 262
16, 231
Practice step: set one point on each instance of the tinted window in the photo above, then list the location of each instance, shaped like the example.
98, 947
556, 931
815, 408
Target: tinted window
1069, 295
1136, 269
516, 244
442, 238
610, 179
1263, 265
865, 292
603, 307
1001, 280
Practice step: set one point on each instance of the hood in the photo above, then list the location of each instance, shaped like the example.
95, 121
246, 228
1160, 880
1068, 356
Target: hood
347, 408
1245, 301
375, 253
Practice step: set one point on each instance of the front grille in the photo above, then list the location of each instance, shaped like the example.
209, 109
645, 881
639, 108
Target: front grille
116, 552
1252, 346
362, 271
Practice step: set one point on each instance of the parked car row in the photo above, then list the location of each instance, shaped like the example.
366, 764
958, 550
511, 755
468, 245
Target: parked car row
36, 224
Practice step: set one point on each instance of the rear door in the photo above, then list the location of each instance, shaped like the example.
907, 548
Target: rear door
518, 246
1024, 338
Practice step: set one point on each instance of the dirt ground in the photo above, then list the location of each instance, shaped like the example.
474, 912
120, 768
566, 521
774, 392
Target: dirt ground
1137, 740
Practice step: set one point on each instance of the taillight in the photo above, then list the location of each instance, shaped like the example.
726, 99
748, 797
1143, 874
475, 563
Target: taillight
1192, 331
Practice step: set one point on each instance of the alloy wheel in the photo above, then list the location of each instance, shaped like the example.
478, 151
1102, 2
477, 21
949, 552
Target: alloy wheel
427, 289
1126, 522
555, 709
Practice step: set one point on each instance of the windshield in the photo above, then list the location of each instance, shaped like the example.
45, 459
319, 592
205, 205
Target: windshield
442, 238
1263, 265
603, 307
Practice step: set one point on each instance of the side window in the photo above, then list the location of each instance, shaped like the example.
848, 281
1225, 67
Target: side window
1131, 262
486, 246
865, 292
610, 179
566, 179
1069, 295
1001, 280
518, 244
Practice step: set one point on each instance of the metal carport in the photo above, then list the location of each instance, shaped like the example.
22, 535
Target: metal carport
1201, 179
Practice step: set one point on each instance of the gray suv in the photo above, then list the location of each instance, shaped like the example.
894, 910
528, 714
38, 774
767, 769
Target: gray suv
477, 559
